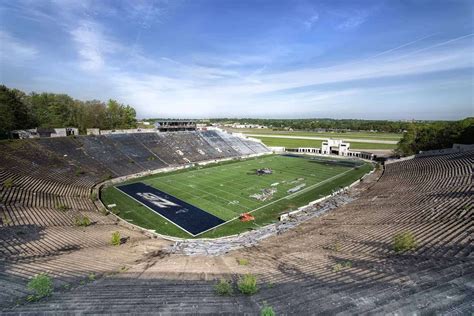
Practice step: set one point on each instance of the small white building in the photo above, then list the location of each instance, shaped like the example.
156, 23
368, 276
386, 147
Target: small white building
63, 132
236, 125
45, 132
335, 147
93, 131
127, 131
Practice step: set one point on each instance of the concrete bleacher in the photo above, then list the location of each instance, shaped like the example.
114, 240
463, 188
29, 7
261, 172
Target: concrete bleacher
241, 144
105, 152
135, 151
220, 145
236, 143
46, 185
158, 146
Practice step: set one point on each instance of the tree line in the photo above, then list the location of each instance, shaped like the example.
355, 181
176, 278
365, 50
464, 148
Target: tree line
19, 110
435, 135
323, 123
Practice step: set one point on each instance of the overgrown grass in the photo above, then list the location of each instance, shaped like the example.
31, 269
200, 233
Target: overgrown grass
82, 220
6, 219
267, 311
404, 241
242, 261
115, 240
223, 288
247, 284
62, 207
42, 286
341, 265
8, 183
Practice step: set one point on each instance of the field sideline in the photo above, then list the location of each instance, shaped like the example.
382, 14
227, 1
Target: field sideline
226, 190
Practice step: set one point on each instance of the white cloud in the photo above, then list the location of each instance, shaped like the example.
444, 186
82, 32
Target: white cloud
145, 12
349, 19
92, 45
353, 20
196, 91
14, 51
310, 22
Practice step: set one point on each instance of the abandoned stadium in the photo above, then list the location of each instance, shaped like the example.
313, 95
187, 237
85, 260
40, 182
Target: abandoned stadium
318, 234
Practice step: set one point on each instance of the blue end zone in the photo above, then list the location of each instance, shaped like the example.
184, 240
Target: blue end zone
184, 215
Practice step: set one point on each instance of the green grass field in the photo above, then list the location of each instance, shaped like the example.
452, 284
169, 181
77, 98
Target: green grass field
225, 190
346, 135
294, 143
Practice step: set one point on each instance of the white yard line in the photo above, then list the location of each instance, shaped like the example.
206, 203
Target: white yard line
200, 197
195, 187
217, 179
304, 190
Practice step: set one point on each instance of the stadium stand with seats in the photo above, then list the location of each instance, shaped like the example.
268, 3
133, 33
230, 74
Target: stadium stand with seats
342, 262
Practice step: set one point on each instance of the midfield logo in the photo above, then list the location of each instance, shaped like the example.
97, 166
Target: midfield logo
156, 200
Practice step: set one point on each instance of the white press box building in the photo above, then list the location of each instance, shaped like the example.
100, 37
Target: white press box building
334, 147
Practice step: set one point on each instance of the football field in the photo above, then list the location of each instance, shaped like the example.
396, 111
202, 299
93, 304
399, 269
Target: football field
230, 189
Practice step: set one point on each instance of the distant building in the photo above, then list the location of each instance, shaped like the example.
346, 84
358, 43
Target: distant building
175, 125
126, 131
245, 125
93, 131
45, 132
201, 126
307, 150
334, 147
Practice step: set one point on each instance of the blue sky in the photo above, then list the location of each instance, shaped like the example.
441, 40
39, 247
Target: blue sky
235, 58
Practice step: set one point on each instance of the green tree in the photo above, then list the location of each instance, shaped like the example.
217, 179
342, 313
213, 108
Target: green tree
21, 111
128, 117
435, 135
113, 114
13, 111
